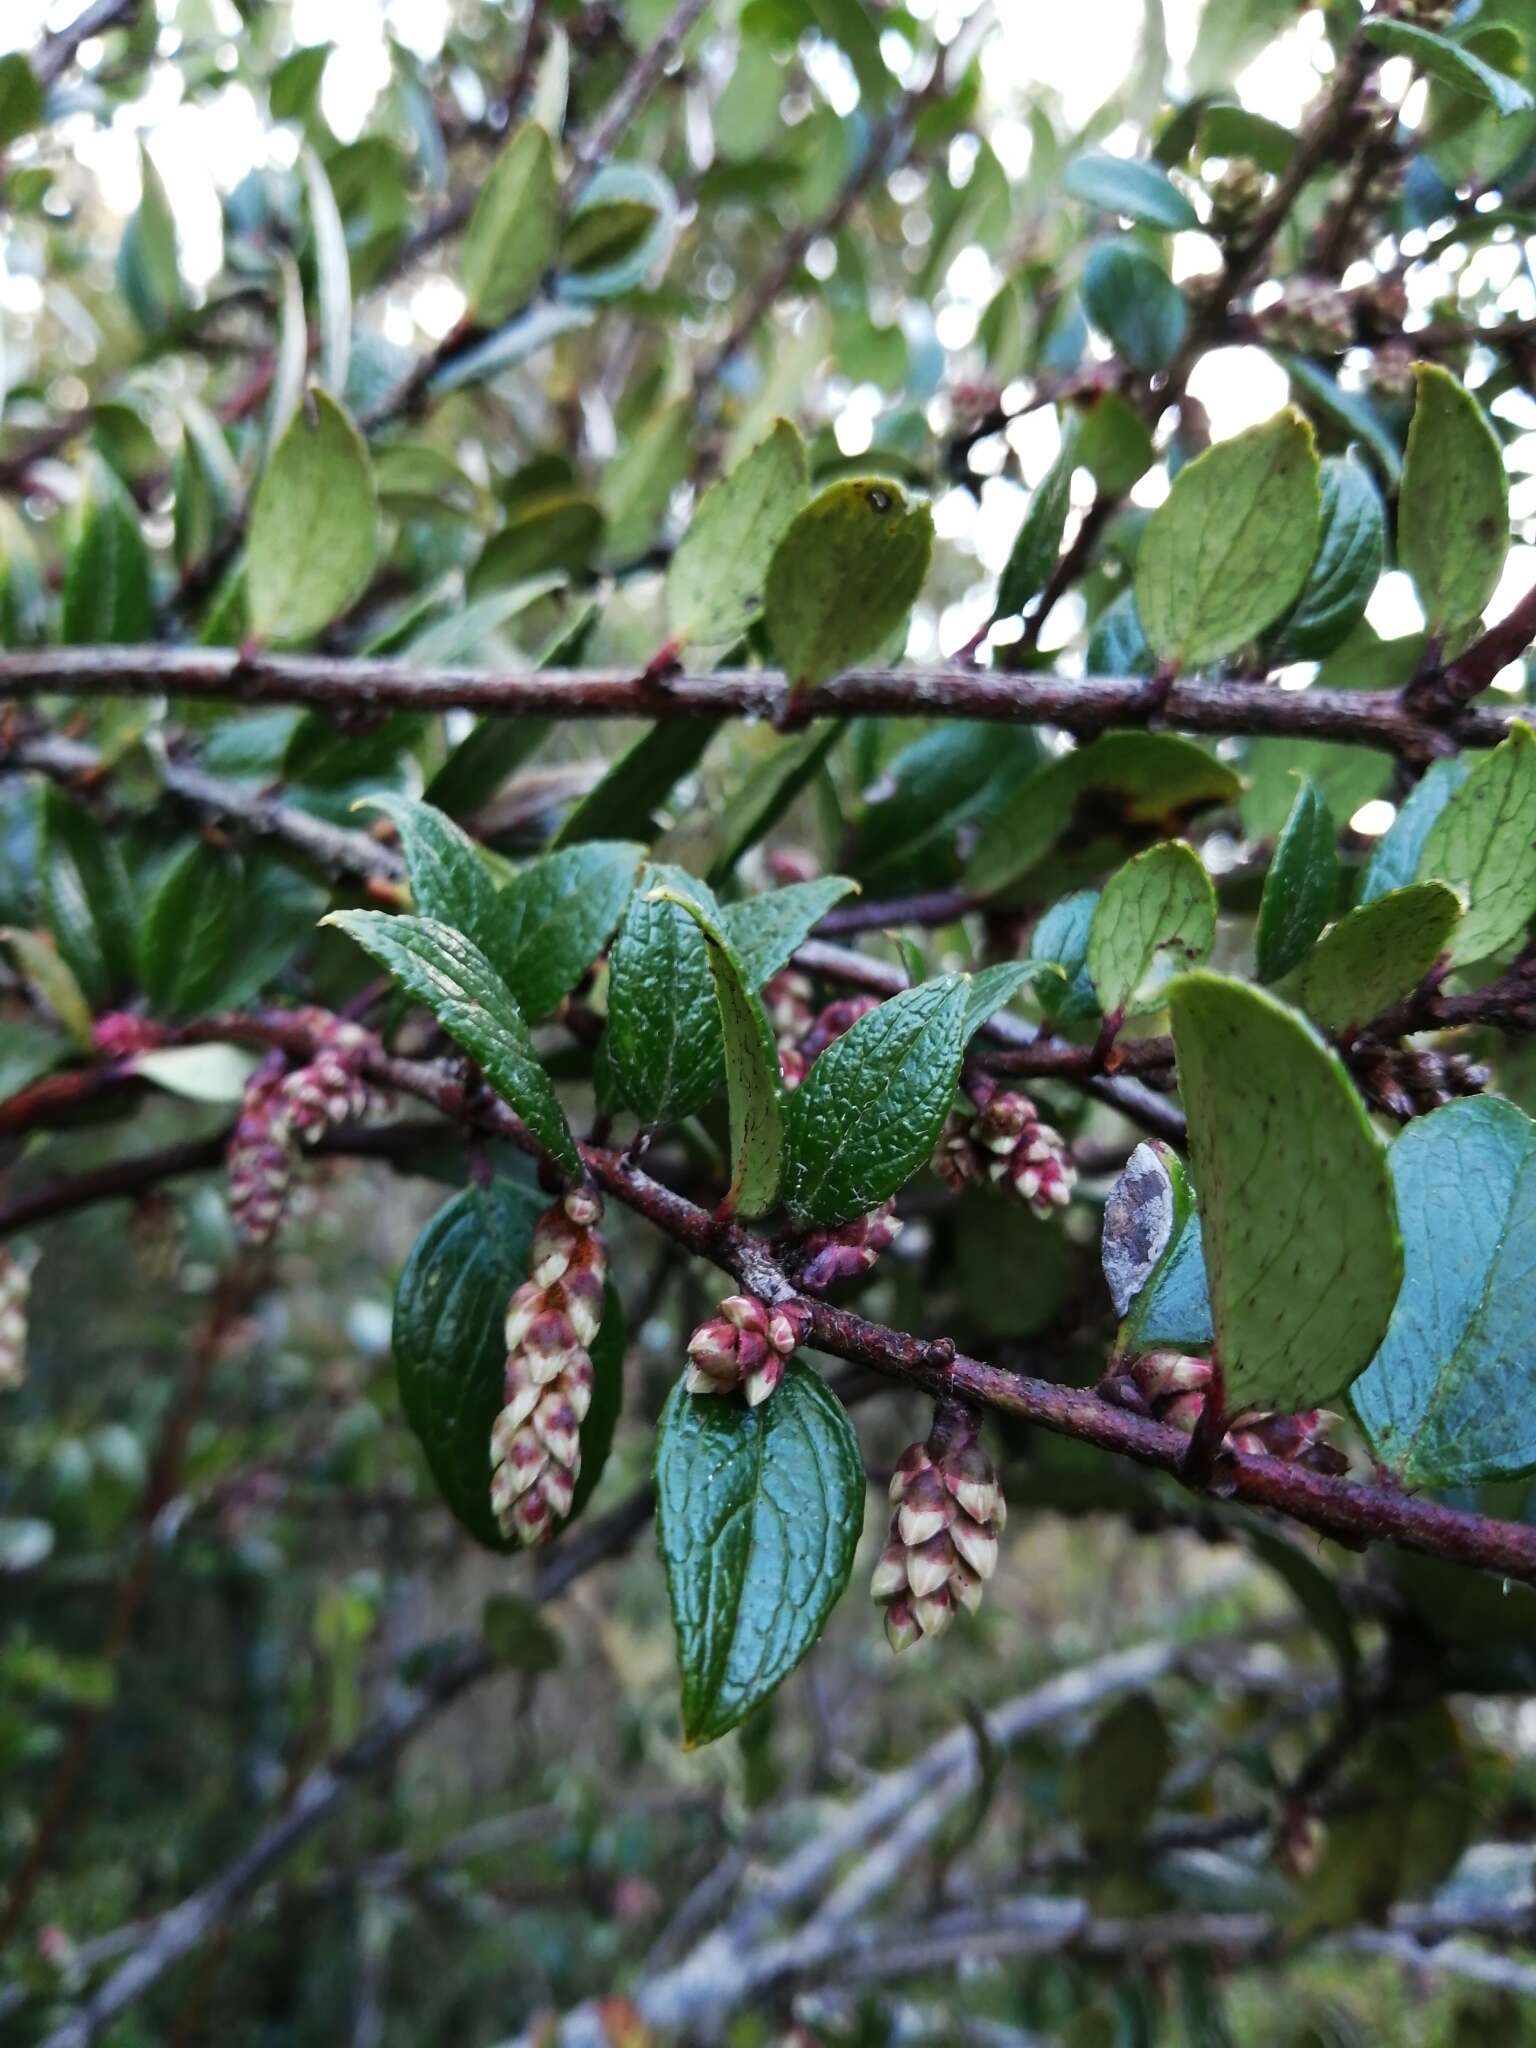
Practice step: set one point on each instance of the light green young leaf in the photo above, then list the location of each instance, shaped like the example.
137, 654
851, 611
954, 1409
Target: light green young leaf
1302, 885
765, 930
844, 576
452, 977
717, 576
1453, 506
1229, 548
47, 974
199, 1073
1156, 915
1302, 1254
1483, 845
754, 1096
1379, 952
314, 525
514, 230
1451, 63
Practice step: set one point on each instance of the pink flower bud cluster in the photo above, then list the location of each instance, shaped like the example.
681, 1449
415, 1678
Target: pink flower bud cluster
15, 1286
552, 1320
847, 1249
942, 1548
283, 1110
747, 1345
1171, 1387
1005, 1143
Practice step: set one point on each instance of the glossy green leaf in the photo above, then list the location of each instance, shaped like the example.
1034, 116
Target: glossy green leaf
189, 930
1133, 187
449, 880
1302, 1254
663, 1017
1156, 915
1301, 887
754, 1094
1453, 506
1228, 550
1450, 1398
451, 1354
844, 576
869, 1112
994, 988
1134, 304
622, 804
718, 574
758, 1513
1060, 939
1038, 541
765, 930
148, 257
452, 977
314, 525
1451, 63
1379, 952
1346, 569
1395, 861
86, 900
108, 600
514, 230
555, 916
1483, 845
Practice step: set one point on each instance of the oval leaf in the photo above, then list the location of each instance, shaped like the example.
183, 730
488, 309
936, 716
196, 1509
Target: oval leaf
1135, 304
1453, 65
765, 930
663, 1017
1157, 914
1377, 953
514, 230
1301, 887
1453, 505
1346, 569
1038, 541
716, 579
449, 880
555, 916
314, 525
188, 932
844, 577
1483, 845
1138, 191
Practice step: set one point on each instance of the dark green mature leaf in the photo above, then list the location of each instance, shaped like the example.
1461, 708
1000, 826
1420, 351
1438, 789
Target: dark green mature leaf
1453, 506
555, 916
1450, 1397
1483, 845
453, 978
514, 230
86, 899
451, 1354
765, 930
1135, 304
623, 802
1451, 63
1301, 887
1395, 862
21, 98
869, 1113
716, 578
1135, 188
754, 1094
449, 880
1038, 541
1117, 645
960, 775
758, 1512
1060, 938
663, 1016
187, 936
749, 813
1114, 442
993, 988
844, 576
1302, 1254
1157, 914
314, 534
108, 600
1229, 548
1351, 545
1377, 953
1154, 1255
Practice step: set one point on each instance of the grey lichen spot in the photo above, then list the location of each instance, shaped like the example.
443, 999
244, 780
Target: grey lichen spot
1138, 1222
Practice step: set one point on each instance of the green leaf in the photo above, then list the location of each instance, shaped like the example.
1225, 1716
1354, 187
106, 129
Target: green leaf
86, 901
1154, 1256
844, 577
754, 1095
555, 916
1038, 541
1156, 915
641, 779
1117, 645
1398, 852
749, 813
1377, 953
451, 1355
107, 599
1060, 939
959, 775
1302, 1255
187, 937
1112, 1783
758, 1513
663, 1016
1229, 548
869, 1112
1134, 304
1453, 507
21, 98
1145, 781
765, 930
314, 525
1450, 1398
333, 274
1114, 442
199, 1073
47, 974
516, 1635
717, 576
993, 988
1451, 63
1483, 845
452, 977
638, 483
1301, 888
148, 259
1138, 190
1346, 569
449, 880
514, 230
